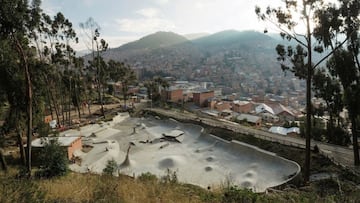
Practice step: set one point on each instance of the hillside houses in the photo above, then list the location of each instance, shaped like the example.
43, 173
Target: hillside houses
270, 111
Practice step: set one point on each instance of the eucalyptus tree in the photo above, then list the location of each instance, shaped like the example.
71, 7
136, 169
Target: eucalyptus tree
12, 86
96, 45
344, 18
154, 87
18, 18
53, 39
299, 59
343, 66
328, 88
152, 91
162, 83
79, 92
23, 27
88, 34
120, 72
64, 52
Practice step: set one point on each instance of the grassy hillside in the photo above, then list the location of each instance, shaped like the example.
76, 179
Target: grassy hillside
95, 188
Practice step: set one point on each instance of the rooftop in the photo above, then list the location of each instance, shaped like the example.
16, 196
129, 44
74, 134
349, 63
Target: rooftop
63, 141
249, 118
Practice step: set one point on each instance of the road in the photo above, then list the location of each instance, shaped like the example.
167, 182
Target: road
338, 154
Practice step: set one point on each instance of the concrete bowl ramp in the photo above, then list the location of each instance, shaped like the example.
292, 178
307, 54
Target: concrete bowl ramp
200, 158
171, 162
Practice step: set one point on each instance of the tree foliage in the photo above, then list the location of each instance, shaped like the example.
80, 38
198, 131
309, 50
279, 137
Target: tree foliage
18, 20
328, 22
111, 167
53, 159
97, 65
121, 72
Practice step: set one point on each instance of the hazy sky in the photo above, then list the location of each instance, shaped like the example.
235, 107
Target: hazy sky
122, 21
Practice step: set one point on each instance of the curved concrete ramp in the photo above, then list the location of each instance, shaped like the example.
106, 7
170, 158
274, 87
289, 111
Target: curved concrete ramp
201, 159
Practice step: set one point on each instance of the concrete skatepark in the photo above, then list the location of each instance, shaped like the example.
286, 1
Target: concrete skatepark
141, 145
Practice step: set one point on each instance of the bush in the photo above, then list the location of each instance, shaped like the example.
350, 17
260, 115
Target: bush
338, 136
147, 177
53, 160
235, 194
169, 177
111, 167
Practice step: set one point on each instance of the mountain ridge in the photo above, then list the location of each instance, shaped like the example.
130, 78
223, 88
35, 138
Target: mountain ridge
170, 41
155, 40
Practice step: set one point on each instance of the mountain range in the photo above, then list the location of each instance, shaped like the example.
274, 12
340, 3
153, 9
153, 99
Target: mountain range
169, 47
238, 61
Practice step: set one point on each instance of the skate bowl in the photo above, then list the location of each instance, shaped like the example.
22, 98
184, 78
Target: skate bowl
163, 146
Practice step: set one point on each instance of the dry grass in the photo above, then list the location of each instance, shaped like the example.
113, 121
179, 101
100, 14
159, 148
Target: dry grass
76, 187
95, 188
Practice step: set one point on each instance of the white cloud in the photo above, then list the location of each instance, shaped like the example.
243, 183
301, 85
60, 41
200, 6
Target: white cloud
113, 41
150, 21
162, 2
148, 12
88, 2
50, 8
145, 25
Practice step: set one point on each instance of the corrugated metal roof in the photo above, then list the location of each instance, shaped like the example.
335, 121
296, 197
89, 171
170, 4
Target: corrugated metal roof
248, 117
284, 131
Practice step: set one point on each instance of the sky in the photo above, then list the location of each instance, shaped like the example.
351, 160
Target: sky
122, 21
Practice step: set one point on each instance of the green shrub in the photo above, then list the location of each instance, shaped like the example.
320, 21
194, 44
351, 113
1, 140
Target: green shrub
111, 167
235, 194
53, 160
147, 177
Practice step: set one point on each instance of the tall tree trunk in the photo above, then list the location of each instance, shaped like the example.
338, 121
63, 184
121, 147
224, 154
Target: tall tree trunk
87, 101
100, 98
355, 140
3, 161
29, 129
56, 107
70, 100
99, 83
21, 146
63, 110
78, 103
49, 100
331, 127
28, 102
308, 102
124, 90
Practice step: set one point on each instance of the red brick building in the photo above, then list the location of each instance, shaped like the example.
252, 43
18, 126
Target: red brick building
242, 106
70, 144
173, 95
222, 105
200, 98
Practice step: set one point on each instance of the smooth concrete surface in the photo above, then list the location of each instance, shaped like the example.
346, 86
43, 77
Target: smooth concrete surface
155, 145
